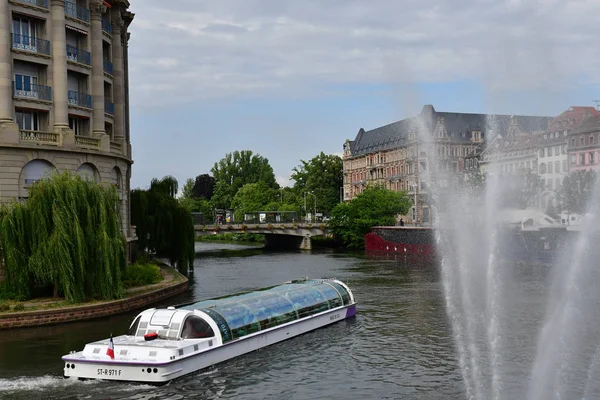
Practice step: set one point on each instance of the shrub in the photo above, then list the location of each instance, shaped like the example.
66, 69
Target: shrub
18, 307
4, 307
141, 274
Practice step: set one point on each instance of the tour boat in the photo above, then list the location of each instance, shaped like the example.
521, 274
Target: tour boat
165, 343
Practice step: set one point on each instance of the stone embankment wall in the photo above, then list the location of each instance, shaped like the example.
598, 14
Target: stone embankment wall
91, 311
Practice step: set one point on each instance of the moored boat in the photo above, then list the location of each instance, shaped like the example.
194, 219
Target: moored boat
165, 343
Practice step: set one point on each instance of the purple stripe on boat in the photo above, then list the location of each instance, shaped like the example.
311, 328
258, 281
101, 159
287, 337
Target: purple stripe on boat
351, 311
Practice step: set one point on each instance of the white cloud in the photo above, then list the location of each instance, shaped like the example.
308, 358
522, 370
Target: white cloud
284, 181
203, 49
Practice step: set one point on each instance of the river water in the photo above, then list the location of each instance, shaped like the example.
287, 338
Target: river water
399, 346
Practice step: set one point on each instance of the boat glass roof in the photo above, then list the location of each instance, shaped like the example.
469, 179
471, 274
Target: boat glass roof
243, 314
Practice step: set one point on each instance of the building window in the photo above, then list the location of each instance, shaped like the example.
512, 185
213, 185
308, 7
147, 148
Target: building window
549, 167
25, 32
564, 163
557, 167
542, 153
542, 168
557, 150
582, 158
591, 157
27, 120
26, 86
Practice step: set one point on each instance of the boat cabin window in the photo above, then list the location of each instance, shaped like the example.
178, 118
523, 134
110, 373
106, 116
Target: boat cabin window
195, 328
133, 329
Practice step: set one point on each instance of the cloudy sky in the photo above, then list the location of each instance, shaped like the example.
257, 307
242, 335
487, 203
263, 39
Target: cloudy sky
288, 78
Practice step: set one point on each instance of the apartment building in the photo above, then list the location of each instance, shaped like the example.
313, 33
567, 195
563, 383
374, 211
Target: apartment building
64, 94
584, 146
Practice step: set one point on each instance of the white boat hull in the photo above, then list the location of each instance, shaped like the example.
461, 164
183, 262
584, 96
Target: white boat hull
161, 372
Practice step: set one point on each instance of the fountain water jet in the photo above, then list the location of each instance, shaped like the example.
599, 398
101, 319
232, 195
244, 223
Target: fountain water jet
477, 284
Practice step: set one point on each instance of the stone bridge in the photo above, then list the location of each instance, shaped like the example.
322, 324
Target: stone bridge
277, 235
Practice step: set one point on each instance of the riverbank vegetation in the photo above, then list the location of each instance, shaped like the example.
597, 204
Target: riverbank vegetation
374, 206
164, 226
142, 273
66, 236
245, 182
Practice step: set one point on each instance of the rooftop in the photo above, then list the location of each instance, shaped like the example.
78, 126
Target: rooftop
459, 128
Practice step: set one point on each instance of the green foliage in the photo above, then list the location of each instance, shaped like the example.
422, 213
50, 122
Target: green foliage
19, 307
323, 176
576, 191
67, 234
164, 226
254, 197
204, 186
4, 307
188, 189
236, 170
375, 206
202, 205
167, 185
141, 274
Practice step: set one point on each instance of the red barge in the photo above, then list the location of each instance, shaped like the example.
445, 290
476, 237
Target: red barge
541, 244
407, 240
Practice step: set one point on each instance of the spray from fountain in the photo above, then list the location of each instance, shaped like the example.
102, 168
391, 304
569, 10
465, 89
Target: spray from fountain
472, 242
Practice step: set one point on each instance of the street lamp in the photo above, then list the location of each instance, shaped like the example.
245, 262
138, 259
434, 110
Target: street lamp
315, 209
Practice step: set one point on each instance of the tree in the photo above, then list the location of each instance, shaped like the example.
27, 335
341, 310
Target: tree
375, 206
167, 185
576, 190
204, 186
164, 226
67, 234
236, 170
322, 176
254, 197
188, 188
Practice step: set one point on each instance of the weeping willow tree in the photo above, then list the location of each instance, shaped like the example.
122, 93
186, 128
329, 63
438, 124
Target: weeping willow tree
164, 227
68, 235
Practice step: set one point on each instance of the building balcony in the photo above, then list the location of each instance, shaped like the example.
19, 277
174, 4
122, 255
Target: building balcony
74, 11
106, 26
28, 43
79, 99
108, 67
86, 142
39, 137
32, 91
109, 107
78, 55
37, 3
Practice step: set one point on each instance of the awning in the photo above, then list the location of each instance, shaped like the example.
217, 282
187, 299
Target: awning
76, 29
107, 4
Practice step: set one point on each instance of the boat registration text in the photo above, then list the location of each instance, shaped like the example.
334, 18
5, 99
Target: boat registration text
109, 372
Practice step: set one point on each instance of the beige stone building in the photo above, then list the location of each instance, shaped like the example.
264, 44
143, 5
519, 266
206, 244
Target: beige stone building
64, 94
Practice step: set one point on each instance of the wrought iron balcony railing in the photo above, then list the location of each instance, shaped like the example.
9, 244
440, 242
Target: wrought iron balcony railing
38, 3
108, 67
78, 55
109, 107
77, 12
32, 91
29, 43
80, 99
